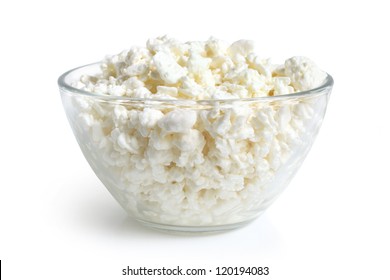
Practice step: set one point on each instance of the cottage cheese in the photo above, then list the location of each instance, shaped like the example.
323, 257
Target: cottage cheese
197, 165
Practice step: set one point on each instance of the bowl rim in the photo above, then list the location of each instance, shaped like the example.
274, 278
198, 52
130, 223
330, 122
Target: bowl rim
63, 85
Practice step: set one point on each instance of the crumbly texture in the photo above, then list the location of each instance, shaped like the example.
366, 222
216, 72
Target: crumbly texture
199, 165
167, 68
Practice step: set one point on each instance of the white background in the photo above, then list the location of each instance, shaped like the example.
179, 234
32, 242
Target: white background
57, 221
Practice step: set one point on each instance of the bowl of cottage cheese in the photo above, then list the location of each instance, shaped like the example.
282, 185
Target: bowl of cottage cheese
195, 136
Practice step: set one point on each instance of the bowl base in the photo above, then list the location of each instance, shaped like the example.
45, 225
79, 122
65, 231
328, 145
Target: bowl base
194, 229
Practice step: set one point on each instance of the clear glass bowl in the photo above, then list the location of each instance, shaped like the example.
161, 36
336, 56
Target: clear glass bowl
195, 166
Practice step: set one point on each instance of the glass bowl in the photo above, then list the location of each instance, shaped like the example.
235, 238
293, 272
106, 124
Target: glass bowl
197, 166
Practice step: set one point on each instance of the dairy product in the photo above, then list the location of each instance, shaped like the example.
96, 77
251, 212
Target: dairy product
167, 68
202, 163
